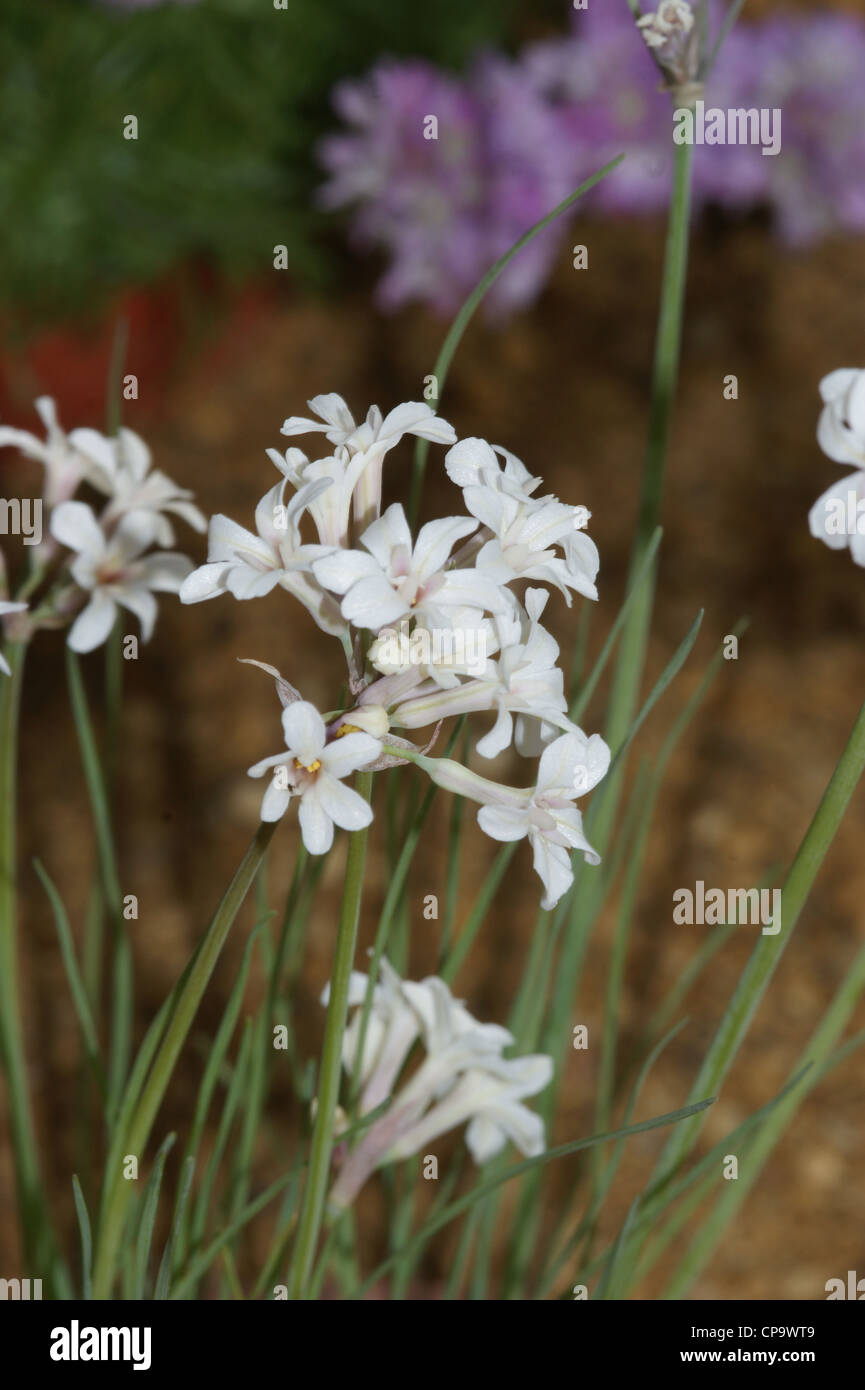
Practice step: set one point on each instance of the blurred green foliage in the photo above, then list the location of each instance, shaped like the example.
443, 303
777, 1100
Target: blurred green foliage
230, 97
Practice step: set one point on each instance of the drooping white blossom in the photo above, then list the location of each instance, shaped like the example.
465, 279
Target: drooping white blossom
463, 1078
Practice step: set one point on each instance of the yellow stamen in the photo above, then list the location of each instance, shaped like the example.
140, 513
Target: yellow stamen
347, 729
311, 767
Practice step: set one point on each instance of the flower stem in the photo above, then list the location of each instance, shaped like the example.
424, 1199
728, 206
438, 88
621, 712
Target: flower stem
11, 1037
118, 1190
629, 666
321, 1149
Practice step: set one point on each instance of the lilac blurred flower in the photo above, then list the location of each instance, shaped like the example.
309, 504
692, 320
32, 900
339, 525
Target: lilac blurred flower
419, 199
734, 176
529, 168
445, 177
606, 90
812, 67
515, 137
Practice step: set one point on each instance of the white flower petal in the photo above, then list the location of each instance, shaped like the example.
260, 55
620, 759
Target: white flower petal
468, 460
390, 532
345, 755
316, 825
372, 603
204, 583
142, 603
304, 731
346, 807
274, 803
74, 525
503, 822
436, 540
93, 624
339, 571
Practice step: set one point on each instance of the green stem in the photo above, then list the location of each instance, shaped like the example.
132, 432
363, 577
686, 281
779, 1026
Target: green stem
122, 968
24, 1149
318, 1176
632, 649
117, 1189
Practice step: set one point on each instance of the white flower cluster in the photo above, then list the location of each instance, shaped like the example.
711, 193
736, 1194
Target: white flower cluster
838, 517
463, 1079
111, 563
454, 579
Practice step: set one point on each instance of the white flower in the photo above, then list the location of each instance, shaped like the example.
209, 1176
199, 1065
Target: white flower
526, 531
473, 462
119, 467
438, 655
114, 570
369, 441
523, 680
329, 507
313, 769
488, 1097
393, 1026
529, 682
249, 565
838, 517
463, 1079
395, 575
5, 608
841, 428
64, 466
338, 425
568, 768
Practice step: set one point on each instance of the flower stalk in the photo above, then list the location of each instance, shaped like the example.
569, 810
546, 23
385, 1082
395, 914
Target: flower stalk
11, 1033
632, 650
318, 1175
117, 1191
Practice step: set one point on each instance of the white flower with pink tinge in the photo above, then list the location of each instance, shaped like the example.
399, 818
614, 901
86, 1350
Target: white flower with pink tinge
395, 575
313, 769
114, 570
462, 1080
